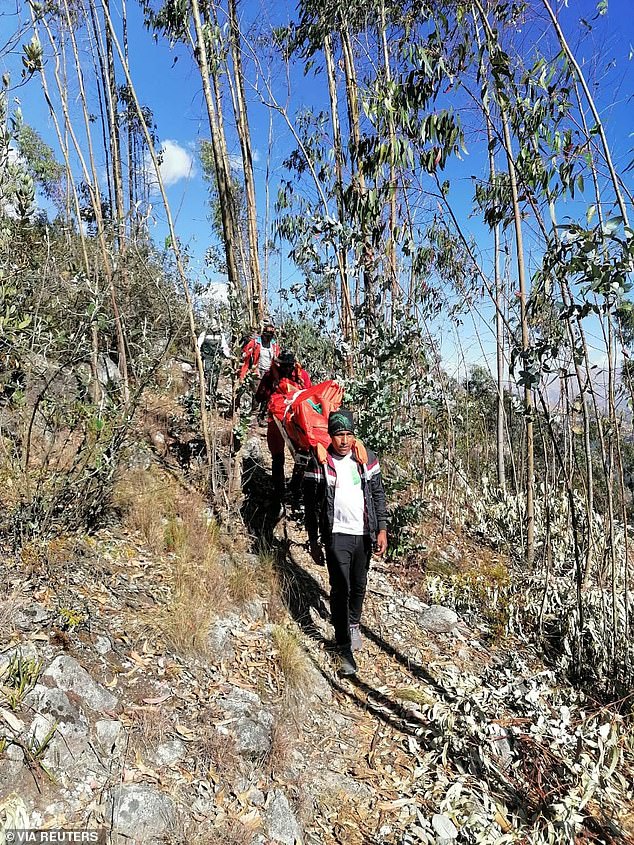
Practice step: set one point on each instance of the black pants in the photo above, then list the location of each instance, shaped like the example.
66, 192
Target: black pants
348, 561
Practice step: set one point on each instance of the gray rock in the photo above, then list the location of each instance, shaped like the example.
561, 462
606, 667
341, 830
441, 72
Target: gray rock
437, 618
107, 371
26, 618
319, 687
254, 610
25, 651
102, 645
256, 797
110, 735
168, 753
280, 822
219, 639
445, 830
64, 749
414, 604
252, 726
54, 702
333, 783
69, 675
139, 812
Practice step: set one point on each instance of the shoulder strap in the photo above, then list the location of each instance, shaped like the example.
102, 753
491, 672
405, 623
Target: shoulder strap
321, 453
360, 452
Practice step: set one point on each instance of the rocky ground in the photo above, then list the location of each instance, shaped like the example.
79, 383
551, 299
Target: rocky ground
254, 737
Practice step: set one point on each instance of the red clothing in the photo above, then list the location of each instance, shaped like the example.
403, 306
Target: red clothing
266, 388
251, 355
270, 380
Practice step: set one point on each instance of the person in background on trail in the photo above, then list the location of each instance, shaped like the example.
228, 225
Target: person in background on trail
259, 351
345, 508
284, 366
213, 347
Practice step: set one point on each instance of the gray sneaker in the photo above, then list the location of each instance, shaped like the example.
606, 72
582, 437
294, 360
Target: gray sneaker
356, 643
347, 664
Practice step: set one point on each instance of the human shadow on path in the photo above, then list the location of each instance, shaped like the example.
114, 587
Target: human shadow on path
258, 506
304, 591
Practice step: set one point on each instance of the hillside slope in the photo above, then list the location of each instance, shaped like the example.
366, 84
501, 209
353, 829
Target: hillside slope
164, 683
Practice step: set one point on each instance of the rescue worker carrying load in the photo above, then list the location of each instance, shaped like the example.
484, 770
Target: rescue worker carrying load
285, 375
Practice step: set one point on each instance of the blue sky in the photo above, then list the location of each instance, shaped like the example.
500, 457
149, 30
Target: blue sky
168, 82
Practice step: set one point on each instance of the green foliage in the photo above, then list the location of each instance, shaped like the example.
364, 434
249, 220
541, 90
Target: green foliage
40, 161
316, 352
18, 679
403, 524
390, 382
70, 618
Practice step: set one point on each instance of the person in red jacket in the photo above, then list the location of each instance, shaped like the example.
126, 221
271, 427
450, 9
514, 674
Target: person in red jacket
259, 352
284, 366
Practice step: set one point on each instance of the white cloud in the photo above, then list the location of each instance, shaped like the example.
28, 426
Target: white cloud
235, 161
176, 163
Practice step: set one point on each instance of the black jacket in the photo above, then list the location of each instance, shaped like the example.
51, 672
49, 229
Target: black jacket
319, 497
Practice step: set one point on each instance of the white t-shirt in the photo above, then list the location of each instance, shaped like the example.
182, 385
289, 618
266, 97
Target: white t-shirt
349, 503
266, 359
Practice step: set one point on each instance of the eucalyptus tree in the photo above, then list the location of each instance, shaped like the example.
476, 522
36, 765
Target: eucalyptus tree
200, 26
393, 128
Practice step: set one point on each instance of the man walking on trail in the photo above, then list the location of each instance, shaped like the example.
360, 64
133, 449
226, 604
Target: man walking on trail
259, 352
213, 347
345, 507
284, 366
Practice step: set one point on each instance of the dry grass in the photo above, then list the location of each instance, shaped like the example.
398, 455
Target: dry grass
417, 696
242, 583
270, 586
216, 754
150, 726
200, 593
283, 743
145, 499
225, 832
342, 812
290, 658
173, 522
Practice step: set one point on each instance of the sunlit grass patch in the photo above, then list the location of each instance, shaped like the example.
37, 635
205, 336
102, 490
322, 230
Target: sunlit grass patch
290, 658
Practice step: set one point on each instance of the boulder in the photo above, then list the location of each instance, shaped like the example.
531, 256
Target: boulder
252, 726
438, 619
280, 822
67, 674
140, 813
168, 753
110, 735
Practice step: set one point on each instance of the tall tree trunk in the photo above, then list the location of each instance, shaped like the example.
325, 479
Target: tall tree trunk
180, 265
223, 176
352, 98
109, 86
391, 243
347, 319
521, 278
499, 327
244, 136
129, 132
92, 186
